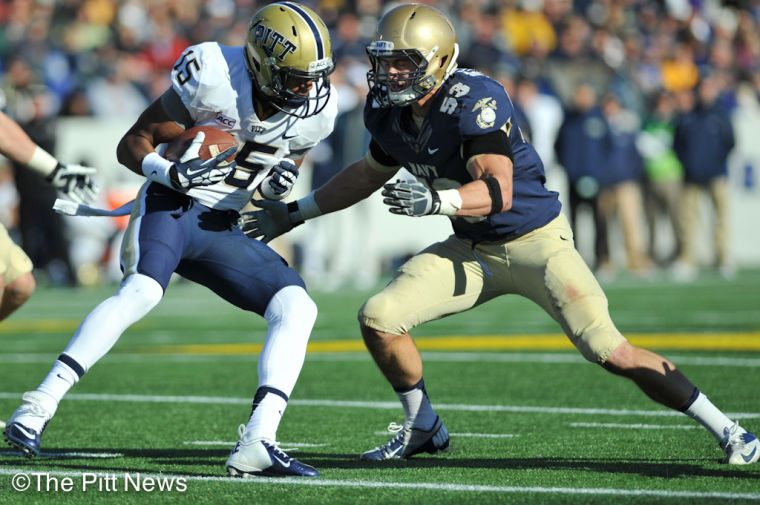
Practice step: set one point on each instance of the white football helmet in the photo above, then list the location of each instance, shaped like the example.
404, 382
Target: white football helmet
288, 51
414, 36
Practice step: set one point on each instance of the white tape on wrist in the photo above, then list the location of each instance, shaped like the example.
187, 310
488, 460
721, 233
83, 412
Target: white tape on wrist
156, 168
42, 161
451, 201
308, 207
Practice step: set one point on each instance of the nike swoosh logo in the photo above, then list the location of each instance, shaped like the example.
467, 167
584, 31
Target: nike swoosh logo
190, 172
391, 454
32, 435
433, 151
749, 456
288, 137
281, 462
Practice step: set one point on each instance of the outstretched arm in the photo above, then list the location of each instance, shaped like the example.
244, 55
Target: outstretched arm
16, 144
349, 186
73, 180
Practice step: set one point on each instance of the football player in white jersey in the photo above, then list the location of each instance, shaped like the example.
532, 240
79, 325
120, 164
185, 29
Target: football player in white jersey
274, 96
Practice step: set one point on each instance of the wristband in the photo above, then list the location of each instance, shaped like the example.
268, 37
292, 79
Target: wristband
451, 201
42, 162
294, 213
308, 207
156, 168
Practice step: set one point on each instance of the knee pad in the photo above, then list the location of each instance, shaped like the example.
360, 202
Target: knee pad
375, 314
138, 295
291, 306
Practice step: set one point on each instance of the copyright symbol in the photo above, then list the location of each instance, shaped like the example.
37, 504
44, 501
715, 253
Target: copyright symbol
21, 482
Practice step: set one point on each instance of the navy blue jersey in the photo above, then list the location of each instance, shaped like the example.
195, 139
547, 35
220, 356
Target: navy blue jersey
467, 105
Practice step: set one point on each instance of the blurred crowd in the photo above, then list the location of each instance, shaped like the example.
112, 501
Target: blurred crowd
634, 106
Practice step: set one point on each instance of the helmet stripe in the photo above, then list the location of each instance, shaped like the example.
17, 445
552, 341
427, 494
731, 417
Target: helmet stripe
314, 28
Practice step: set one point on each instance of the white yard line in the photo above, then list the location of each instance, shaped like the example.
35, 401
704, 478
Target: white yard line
428, 356
220, 400
636, 426
71, 455
429, 486
283, 445
472, 435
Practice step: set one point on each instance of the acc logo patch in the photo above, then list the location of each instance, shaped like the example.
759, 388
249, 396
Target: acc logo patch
225, 120
487, 116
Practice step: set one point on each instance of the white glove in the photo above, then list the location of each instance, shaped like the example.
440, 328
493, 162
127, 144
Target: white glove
277, 186
274, 219
191, 171
411, 198
74, 181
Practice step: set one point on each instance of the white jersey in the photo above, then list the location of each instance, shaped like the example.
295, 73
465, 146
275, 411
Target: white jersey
215, 86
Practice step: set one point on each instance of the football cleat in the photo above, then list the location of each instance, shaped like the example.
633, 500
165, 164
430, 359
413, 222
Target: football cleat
741, 447
261, 457
24, 429
409, 441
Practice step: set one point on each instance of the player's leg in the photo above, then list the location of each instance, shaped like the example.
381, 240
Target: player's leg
248, 274
149, 255
16, 280
443, 279
15, 294
567, 290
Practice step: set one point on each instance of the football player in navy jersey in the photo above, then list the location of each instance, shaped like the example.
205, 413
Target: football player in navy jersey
455, 130
274, 96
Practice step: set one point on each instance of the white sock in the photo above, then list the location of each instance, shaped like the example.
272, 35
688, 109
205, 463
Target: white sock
266, 418
705, 413
419, 412
58, 382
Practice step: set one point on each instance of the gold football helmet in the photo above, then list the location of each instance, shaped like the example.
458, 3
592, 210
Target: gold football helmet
414, 51
288, 52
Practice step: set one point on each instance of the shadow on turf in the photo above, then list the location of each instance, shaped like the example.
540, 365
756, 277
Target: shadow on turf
188, 458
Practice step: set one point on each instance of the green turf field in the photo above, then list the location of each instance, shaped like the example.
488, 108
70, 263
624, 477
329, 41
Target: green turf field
530, 421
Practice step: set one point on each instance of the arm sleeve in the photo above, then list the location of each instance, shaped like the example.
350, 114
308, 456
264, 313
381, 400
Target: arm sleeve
380, 160
494, 142
173, 105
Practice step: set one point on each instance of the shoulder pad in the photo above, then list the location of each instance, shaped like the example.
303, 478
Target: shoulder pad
485, 106
201, 78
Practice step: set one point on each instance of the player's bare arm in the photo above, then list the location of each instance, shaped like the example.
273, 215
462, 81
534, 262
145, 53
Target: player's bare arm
478, 196
14, 142
153, 127
73, 180
351, 185
156, 125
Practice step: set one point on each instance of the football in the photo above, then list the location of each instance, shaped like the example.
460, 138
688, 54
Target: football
215, 142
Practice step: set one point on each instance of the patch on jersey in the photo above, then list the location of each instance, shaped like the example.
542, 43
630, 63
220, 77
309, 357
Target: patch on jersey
225, 121
487, 116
